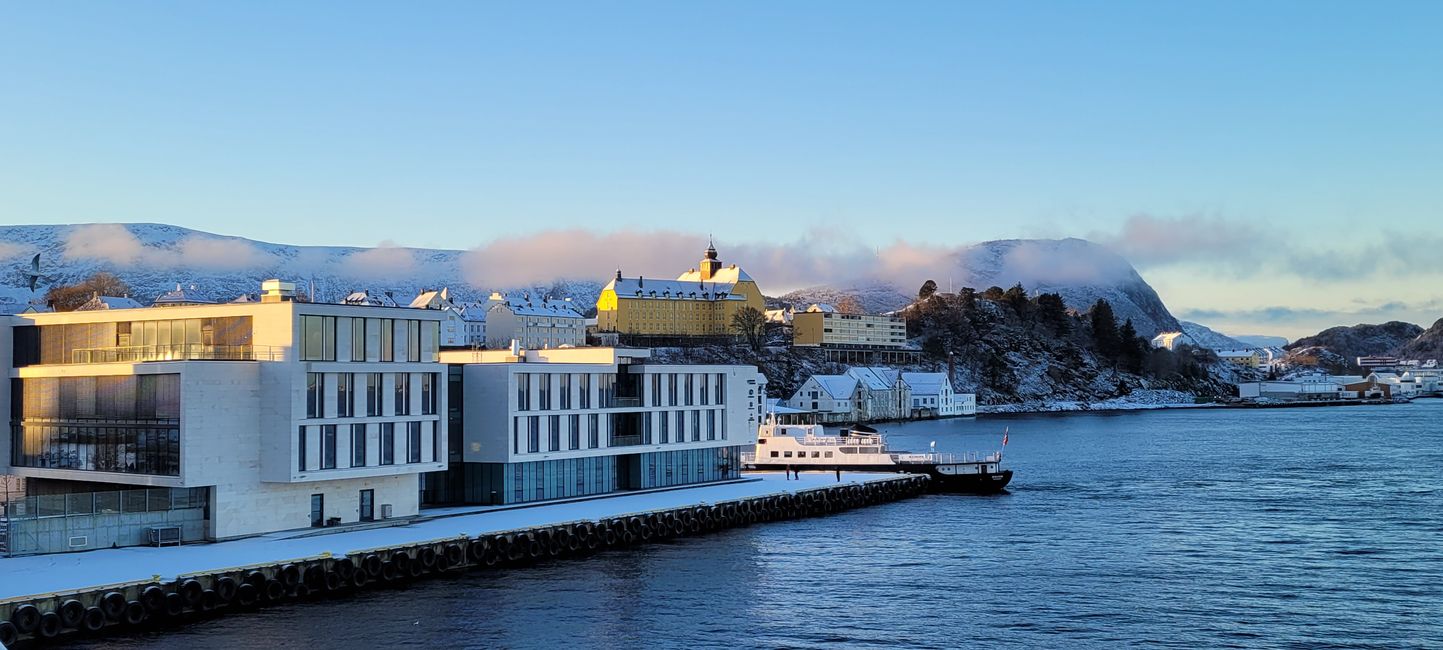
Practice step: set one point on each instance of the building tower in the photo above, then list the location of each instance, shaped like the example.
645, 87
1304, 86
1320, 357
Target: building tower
709, 263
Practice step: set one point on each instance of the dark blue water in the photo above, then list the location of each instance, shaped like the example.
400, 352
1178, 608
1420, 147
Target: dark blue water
1300, 528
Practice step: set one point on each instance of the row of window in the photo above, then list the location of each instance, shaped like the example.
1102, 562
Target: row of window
319, 446
319, 341
566, 432
800, 454
371, 384
713, 388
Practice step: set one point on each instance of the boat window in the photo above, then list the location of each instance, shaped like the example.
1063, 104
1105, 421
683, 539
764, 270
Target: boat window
789, 454
816, 454
774, 454
761, 441
829, 454
849, 450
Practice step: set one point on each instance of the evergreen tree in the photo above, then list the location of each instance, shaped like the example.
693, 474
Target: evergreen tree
928, 288
1130, 351
1104, 330
1052, 312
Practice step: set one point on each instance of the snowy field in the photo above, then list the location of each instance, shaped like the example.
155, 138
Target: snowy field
44, 574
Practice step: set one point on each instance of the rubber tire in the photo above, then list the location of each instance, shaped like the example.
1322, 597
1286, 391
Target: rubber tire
334, 581
247, 595
70, 613
154, 599
25, 618
226, 587
210, 600
174, 604
289, 575
8, 634
371, 564
93, 620
134, 613
113, 604
275, 590
191, 591
49, 626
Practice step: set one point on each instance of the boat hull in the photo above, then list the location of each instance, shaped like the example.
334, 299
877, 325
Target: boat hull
941, 483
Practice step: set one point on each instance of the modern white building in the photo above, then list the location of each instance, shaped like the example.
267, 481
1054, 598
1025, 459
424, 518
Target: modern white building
932, 394
554, 423
265, 416
535, 323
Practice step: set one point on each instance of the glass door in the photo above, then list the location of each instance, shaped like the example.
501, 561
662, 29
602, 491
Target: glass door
368, 505
318, 510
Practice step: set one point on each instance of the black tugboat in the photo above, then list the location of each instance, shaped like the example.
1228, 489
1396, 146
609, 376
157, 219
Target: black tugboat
863, 449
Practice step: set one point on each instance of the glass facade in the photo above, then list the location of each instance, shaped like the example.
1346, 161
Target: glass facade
150, 340
128, 424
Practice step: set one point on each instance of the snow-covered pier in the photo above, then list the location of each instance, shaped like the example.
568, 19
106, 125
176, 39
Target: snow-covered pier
46, 596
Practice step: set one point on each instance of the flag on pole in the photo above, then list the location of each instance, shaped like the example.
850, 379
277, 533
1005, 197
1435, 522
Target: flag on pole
1004, 435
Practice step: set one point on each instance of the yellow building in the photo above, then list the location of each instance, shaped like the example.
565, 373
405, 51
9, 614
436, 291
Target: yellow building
701, 302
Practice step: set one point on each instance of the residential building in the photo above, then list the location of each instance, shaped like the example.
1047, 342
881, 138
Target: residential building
180, 297
883, 394
833, 398
823, 326
100, 303
537, 424
1246, 358
239, 418
699, 303
473, 318
533, 322
932, 395
453, 321
1168, 340
367, 299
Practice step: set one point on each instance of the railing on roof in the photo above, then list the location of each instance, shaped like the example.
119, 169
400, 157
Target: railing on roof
177, 352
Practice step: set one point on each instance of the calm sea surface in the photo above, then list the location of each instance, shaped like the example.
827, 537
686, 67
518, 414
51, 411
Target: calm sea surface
1303, 528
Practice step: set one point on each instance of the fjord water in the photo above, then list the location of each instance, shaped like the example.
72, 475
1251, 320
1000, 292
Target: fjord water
1318, 527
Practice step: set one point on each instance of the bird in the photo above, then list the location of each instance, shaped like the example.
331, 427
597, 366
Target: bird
34, 273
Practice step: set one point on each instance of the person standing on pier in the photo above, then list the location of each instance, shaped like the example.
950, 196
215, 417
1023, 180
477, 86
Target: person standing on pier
839, 475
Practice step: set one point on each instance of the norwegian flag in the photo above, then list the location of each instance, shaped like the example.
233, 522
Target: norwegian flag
1005, 430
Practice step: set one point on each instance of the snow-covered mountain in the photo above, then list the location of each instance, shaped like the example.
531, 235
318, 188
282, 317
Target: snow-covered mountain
1203, 336
1262, 340
153, 258
1080, 271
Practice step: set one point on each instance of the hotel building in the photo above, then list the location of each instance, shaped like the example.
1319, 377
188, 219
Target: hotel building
250, 417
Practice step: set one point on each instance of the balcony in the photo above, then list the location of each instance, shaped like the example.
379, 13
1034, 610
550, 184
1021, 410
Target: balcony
625, 402
624, 441
179, 352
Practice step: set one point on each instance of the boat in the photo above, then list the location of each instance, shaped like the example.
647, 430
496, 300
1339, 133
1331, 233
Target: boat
860, 448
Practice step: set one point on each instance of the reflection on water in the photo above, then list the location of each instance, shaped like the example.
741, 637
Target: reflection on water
1304, 528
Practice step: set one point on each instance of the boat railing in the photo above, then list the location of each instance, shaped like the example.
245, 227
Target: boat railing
944, 458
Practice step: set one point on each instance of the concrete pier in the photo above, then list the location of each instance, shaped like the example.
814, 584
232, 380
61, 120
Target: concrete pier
45, 597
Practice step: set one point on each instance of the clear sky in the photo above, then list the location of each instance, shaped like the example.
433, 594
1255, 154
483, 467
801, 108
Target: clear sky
1268, 166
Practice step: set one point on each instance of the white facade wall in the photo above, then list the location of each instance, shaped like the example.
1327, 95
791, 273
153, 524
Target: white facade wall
813, 397
242, 422
533, 331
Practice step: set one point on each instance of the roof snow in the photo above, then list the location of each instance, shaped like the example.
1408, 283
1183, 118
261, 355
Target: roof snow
875, 378
365, 298
730, 274
181, 296
524, 305
672, 289
109, 302
926, 383
837, 386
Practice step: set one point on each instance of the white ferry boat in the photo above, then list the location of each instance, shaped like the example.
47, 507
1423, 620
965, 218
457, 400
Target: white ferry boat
862, 448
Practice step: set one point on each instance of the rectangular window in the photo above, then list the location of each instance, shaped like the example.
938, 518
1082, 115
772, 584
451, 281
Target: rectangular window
705, 390
645, 428
373, 394
523, 391
711, 425
593, 434
437, 453
328, 446
318, 338
696, 426
681, 426
403, 393
345, 397
413, 340
553, 430
358, 339
721, 388
686, 393
533, 434
315, 395
585, 391
413, 442
388, 339
565, 390
358, 445
433, 350
388, 443
671, 389
574, 431
656, 389
428, 394
545, 379
301, 449
664, 426
515, 435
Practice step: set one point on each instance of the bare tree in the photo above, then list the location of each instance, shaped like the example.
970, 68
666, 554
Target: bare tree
751, 324
68, 297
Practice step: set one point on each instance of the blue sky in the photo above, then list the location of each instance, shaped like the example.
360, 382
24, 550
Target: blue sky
1255, 156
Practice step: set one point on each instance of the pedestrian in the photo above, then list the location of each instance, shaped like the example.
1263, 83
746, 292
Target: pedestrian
839, 475
789, 472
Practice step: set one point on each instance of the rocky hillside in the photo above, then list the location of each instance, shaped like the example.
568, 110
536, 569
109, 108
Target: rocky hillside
1427, 345
1077, 270
1204, 336
1337, 348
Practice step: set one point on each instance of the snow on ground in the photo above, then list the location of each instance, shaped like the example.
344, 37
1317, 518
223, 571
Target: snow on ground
1136, 401
43, 574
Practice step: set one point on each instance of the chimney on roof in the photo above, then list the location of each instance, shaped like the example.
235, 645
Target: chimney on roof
640, 281
618, 274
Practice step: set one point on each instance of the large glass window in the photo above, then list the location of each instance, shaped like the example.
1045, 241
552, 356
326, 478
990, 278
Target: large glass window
711, 425
388, 443
705, 390
696, 426
593, 431
574, 431
373, 394
315, 395
656, 389
433, 349
413, 340
585, 389
523, 391
564, 390
403, 393
388, 339
413, 442
686, 393
606, 389
721, 388
358, 339
545, 389
345, 395
428, 394
646, 428
328, 446
301, 448
671, 389
358, 445
533, 434
664, 427
318, 338
553, 428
